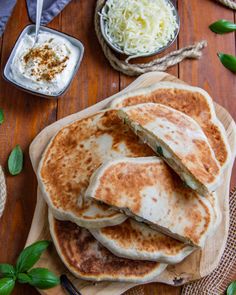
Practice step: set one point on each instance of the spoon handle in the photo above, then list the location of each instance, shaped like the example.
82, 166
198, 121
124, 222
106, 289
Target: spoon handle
68, 286
38, 18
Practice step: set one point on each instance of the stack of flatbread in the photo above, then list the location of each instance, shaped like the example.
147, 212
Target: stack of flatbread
131, 188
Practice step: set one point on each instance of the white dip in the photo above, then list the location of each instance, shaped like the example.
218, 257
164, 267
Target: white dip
48, 66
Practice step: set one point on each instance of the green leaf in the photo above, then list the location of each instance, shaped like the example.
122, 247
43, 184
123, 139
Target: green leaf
231, 290
15, 161
7, 270
1, 116
23, 278
222, 26
229, 61
42, 278
160, 150
30, 255
6, 286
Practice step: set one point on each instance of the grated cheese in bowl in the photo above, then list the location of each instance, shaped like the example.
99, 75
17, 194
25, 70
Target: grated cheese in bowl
139, 27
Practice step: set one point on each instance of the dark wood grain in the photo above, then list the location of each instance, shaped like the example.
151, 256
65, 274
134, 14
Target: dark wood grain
96, 79
26, 115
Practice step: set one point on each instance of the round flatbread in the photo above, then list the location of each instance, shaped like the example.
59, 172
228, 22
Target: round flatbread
136, 240
88, 259
73, 155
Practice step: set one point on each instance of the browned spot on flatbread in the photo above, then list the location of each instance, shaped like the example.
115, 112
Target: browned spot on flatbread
192, 104
87, 257
168, 137
126, 234
209, 164
214, 137
122, 185
188, 102
69, 163
129, 179
195, 217
145, 114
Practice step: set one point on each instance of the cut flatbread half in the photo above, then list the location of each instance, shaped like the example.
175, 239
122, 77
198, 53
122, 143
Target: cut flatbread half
149, 191
179, 140
193, 101
87, 259
71, 157
136, 240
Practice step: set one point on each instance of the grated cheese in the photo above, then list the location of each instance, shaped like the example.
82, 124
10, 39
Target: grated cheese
139, 27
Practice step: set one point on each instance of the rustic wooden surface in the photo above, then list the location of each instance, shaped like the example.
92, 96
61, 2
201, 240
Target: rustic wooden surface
26, 115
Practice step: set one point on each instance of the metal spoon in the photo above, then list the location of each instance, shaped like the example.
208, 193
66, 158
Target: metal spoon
38, 19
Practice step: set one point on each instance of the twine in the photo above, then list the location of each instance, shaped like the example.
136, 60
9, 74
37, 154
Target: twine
229, 3
3, 191
159, 64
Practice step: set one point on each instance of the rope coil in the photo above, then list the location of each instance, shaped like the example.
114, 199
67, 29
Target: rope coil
229, 3
3, 191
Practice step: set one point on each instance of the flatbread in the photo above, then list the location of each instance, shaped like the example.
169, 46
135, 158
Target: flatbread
149, 191
193, 101
73, 155
136, 240
89, 260
179, 140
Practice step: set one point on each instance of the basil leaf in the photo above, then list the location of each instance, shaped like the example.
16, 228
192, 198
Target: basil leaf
23, 278
15, 161
160, 150
229, 61
7, 270
6, 286
42, 278
222, 26
1, 116
30, 255
231, 290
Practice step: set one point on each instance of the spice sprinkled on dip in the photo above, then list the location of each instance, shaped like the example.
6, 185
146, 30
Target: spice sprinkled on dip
48, 66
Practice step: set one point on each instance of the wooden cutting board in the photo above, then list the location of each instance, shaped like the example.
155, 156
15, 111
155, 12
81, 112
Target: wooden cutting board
197, 265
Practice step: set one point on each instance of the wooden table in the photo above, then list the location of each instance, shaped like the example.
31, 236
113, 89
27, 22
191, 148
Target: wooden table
26, 115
